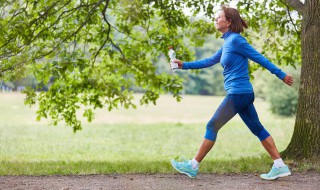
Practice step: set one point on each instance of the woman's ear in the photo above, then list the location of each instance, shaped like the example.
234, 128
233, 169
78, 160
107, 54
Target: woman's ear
229, 22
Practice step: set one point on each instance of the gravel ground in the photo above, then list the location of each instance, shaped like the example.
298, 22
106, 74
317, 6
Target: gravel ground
301, 181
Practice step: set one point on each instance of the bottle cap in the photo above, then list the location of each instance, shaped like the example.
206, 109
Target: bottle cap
170, 47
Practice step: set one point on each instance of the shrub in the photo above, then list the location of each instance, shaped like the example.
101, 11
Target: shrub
283, 99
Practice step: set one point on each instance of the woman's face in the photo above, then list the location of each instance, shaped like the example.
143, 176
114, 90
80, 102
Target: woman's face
222, 24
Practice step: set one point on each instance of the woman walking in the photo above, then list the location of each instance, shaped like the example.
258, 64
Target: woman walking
233, 56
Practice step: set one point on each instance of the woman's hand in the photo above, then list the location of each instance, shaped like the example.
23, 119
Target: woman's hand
288, 80
180, 63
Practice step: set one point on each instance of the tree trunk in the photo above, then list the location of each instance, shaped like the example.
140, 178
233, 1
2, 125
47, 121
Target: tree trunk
305, 142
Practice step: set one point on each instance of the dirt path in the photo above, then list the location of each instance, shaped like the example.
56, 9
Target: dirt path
301, 181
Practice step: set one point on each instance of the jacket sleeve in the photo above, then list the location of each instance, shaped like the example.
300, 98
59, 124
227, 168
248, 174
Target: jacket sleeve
208, 62
245, 49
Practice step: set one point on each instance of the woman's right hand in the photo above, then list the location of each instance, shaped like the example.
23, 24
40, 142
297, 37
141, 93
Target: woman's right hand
180, 63
288, 80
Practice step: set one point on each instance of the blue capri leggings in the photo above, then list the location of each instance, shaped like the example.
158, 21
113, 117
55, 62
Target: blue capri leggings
230, 106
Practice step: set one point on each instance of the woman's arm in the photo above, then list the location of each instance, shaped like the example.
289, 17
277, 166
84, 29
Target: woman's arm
245, 49
208, 62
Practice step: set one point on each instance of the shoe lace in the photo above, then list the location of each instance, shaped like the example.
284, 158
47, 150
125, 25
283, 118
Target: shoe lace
185, 163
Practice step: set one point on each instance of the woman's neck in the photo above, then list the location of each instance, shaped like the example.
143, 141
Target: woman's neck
224, 30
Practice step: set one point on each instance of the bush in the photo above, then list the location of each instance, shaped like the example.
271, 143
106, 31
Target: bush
283, 99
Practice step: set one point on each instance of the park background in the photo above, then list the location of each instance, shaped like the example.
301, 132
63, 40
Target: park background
144, 140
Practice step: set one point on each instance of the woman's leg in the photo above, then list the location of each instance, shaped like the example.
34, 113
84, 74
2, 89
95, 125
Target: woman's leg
250, 117
271, 148
225, 112
204, 149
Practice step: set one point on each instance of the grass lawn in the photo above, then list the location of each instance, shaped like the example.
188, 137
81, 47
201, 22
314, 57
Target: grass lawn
132, 141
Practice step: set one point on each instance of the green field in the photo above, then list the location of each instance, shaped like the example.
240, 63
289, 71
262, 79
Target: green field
132, 141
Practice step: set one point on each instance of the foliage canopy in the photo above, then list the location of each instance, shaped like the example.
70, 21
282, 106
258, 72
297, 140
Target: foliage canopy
92, 52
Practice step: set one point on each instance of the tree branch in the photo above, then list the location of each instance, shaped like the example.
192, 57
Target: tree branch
22, 10
297, 5
54, 48
291, 20
2, 72
35, 21
109, 29
124, 33
75, 32
61, 16
97, 53
45, 14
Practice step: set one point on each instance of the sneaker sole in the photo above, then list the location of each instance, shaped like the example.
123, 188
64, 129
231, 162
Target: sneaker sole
193, 177
278, 176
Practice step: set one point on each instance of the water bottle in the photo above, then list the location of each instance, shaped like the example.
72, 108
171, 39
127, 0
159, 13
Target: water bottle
172, 55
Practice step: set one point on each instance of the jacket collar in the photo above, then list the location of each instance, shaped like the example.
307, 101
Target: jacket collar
225, 35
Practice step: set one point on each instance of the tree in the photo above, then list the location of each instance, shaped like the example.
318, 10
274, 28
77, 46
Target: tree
96, 49
305, 142
92, 51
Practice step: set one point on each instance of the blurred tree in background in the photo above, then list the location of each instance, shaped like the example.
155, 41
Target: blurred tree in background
283, 99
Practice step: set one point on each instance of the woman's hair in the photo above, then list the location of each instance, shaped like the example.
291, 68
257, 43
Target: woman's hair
232, 15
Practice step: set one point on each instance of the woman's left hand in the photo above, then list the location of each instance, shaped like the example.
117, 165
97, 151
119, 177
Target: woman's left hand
288, 80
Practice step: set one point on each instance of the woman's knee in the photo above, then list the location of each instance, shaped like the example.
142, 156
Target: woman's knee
210, 125
263, 134
210, 135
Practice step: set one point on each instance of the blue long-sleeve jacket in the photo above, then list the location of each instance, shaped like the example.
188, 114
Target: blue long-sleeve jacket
233, 57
